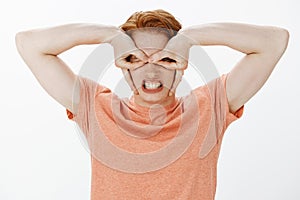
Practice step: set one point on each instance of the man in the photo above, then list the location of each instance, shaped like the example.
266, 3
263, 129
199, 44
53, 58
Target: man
169, 145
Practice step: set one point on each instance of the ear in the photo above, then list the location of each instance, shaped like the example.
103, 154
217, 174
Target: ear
129, 80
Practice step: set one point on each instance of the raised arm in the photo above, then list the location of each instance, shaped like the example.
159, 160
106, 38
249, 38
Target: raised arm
263, 46
40, 49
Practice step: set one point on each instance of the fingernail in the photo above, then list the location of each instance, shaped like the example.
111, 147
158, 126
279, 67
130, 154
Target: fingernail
170, 94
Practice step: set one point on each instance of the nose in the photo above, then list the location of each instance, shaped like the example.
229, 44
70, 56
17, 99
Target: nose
152, 70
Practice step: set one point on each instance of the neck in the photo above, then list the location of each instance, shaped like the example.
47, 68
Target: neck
165, 102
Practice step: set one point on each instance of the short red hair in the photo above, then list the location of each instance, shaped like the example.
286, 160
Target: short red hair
152, 19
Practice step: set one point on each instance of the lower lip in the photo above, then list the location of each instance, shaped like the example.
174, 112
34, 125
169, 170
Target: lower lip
152, 91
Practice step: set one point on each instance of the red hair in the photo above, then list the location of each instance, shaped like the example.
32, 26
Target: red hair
161, 19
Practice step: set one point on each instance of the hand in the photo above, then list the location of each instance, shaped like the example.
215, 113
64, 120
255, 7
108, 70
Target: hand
175, 54
177, 79
127, 55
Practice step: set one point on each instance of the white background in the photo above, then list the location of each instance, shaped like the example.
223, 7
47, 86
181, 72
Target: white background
41, 156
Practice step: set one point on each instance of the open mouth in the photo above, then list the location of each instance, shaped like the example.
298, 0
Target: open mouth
152, 86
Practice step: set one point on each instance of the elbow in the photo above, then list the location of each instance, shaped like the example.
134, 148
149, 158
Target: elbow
286, 37
282, 40
25, 43
20, 40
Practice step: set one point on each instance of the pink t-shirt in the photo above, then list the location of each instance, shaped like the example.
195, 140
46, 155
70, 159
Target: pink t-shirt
168, 152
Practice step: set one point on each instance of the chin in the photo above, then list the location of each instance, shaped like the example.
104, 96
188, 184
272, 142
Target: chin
154, 100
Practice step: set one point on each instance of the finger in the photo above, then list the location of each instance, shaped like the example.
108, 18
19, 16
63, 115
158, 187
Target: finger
129, 80
167, 65
182, 65
169, 60
157, 57
135, 62
140, 55
178, 65
131, 61
122, 63
177, 79
164, 59
136, 65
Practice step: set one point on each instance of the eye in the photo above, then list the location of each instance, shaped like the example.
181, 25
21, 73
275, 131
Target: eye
132, 58
167, 59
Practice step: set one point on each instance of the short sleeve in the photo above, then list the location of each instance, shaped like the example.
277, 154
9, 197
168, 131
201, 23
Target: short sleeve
220, 115
220, 104
87, 93
230, 117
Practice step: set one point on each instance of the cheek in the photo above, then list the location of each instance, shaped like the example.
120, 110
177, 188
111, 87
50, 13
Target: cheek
137, 78
168, 79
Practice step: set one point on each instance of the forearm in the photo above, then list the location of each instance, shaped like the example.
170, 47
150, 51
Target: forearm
55, 40
241, 37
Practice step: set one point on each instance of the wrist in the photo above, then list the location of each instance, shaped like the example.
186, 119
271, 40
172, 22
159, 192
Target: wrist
187, 35
103, 33
108, 33
120, 39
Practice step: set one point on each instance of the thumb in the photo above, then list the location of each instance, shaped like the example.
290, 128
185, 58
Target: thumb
177, 79
129, 80
156, 57
141, 56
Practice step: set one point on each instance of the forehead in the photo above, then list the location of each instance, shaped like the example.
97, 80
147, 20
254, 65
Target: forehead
149, 39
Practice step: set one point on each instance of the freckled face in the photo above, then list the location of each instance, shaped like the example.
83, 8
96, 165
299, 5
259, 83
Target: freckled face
152, 81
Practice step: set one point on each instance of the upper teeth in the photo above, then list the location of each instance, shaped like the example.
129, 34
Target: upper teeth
151, 85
